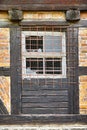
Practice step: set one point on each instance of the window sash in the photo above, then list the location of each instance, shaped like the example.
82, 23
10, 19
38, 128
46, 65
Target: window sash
33, 65
43, 55
44, 34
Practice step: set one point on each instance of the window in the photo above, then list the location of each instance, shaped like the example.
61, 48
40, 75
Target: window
43, 54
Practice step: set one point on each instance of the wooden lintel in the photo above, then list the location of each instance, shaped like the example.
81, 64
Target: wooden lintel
82, 71
4, 71
55, 23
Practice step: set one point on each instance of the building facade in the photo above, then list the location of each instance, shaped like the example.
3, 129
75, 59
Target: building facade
43, 57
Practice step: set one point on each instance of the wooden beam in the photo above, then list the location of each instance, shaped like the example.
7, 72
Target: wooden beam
82, 70
15, 69
54, 23
61, 2
42, 119
72, 43
76, 79
42, 7
4, 71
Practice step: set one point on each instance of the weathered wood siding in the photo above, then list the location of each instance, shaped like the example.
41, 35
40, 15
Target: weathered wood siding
43, 5
54, 96
44, 2
44, 97
29, 100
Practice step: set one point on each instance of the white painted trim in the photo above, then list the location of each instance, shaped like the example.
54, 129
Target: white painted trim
26, 54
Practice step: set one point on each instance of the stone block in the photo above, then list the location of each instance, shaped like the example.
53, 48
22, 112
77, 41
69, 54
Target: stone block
15, 15
73, 15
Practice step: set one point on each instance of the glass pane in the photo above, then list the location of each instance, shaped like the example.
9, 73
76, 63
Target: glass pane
34, 44
34, 65
53, 43
53, 65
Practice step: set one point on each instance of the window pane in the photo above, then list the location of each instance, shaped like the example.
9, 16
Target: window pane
53, 65
53, 43
34, 43
34, 65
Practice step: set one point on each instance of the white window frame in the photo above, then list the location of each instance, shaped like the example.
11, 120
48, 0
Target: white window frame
26, 54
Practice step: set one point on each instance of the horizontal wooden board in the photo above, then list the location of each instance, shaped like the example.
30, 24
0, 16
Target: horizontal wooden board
45, 87
45, 84
45, 99
45, 105
45, 110
44, 92
64, 24
82, 70
43, 119
4, 71
62, 2
45, 80
42, 7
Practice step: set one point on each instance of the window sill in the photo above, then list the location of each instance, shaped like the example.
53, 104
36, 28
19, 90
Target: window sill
28, 77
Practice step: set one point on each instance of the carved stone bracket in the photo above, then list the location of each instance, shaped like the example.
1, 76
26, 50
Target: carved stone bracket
72, 15
15, 15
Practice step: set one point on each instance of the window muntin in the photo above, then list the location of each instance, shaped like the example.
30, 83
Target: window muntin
53, 65
34, 43
43, 54
43, 66
34, 66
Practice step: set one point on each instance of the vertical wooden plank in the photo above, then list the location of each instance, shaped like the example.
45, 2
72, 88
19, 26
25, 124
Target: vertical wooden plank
76, 86
15, 50
72, 69
69, 64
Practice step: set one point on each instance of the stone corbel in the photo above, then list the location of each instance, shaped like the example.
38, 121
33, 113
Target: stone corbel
15, 15
73, 15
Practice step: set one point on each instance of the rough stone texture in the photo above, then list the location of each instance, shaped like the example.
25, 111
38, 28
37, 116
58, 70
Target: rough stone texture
5, 91
15, 15
73, 15
59, 16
